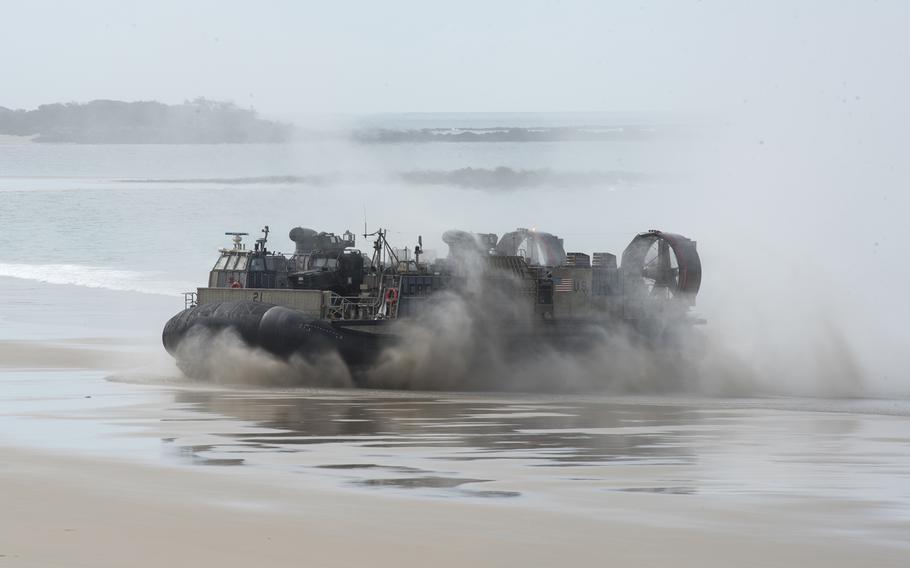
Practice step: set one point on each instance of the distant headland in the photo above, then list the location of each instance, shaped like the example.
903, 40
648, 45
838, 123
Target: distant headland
200, 121
205, 121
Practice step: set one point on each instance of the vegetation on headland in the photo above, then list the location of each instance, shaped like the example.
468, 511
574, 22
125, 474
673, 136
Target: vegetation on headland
200, 121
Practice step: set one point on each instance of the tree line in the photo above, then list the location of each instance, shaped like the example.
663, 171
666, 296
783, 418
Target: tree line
200, 121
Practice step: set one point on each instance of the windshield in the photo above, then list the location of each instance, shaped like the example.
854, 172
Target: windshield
222, 262
275, 263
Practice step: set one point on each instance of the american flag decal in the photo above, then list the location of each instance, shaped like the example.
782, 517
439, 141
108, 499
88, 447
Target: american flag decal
563, 285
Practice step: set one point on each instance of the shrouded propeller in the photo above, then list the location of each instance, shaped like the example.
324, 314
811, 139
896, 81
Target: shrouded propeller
665, 265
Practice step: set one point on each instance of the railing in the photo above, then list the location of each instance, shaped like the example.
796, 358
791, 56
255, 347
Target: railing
365, 307
352, 307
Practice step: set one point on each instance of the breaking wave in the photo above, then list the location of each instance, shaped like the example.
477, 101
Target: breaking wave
96, 277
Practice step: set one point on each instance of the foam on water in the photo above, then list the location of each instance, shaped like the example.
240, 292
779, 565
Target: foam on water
151, 282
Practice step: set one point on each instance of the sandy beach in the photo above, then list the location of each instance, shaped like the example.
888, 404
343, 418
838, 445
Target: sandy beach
68, 511
106, 466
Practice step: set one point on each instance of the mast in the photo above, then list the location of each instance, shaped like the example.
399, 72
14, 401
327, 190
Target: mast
381, 248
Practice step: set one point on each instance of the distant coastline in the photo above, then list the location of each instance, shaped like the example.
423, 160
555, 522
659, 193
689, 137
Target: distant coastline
200, 121
204, 121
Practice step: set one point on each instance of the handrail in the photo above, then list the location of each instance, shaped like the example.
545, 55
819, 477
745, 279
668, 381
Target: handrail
341, 307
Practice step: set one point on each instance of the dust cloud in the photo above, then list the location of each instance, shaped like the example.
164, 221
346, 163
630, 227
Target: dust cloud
222, 357
798, 205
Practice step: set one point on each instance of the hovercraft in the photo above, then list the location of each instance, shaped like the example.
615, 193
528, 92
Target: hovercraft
527, 292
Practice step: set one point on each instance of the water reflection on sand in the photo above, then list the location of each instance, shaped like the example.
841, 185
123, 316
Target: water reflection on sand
508, 446
840, 467
422, 441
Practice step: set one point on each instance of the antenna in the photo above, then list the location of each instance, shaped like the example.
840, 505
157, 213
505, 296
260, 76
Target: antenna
260, 242
238, 238
392, 256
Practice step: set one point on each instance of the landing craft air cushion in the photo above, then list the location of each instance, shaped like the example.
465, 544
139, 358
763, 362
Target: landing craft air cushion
329, 297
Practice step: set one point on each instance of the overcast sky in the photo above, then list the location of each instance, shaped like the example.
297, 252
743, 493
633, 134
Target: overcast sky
296, 58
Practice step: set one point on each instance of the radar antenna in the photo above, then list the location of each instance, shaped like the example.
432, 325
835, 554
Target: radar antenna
238, 239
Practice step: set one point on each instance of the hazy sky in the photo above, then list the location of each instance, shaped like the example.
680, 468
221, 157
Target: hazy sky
291, 58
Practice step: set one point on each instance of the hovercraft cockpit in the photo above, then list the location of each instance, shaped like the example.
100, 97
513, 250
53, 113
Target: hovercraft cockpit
239, 267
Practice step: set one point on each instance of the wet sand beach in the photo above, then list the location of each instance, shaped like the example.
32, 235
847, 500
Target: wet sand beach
81, 512
115, 466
